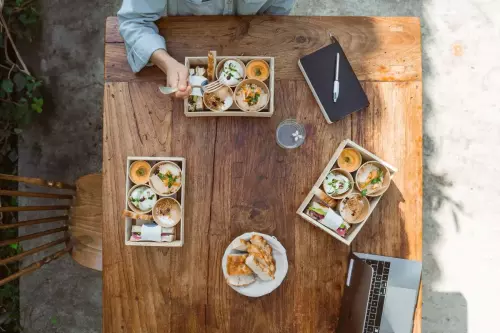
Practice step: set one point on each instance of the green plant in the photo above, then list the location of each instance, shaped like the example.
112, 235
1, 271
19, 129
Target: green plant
20, 100
20, 95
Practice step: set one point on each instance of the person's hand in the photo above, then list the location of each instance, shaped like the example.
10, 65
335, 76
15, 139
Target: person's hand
177, 74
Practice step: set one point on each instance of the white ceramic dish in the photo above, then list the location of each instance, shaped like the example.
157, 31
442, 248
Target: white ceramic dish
260, 288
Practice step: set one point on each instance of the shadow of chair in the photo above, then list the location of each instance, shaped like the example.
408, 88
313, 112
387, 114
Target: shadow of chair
82, 217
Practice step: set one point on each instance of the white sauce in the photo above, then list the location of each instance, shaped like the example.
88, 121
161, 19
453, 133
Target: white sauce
143, 198
336, 184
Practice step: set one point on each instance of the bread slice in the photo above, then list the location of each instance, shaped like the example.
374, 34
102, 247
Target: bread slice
262, 271
240, 280
259, 241
240, 244
236, 265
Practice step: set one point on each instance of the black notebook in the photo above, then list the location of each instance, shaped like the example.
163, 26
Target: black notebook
319, 71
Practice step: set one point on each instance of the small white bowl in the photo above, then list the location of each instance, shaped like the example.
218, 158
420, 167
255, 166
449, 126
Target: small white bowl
343, 173
131, 205
152, 173
362, 216
172, 203
220, 66
385, 182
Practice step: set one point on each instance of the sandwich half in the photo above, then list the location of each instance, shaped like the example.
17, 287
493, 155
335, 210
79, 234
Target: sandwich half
239, 274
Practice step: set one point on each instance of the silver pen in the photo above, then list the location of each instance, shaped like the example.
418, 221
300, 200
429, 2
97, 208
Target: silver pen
336, 82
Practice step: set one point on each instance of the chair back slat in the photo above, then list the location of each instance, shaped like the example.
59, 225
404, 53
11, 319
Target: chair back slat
33, 267
21, 255
38, 182
33, 208
36, 194
32, 236
33, 222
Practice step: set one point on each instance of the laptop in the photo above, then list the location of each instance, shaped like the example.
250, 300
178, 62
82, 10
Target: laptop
380, 295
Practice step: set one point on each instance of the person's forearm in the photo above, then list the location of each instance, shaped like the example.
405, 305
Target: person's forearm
161, 59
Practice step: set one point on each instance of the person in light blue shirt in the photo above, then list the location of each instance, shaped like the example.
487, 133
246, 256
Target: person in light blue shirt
145, 45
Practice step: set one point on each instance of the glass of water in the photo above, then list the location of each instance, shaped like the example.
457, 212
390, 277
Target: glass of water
290, 134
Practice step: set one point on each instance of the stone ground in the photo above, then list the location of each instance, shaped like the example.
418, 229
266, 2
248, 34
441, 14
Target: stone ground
461, 121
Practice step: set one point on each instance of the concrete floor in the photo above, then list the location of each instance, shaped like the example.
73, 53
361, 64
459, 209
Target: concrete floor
461, 121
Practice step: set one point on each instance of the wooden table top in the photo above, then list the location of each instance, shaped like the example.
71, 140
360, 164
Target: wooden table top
239, 180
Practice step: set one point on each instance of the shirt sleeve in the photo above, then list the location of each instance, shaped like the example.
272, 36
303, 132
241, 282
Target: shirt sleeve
137, 27
281, 7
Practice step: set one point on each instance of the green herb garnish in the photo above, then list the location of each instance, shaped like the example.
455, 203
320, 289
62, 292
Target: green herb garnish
258, 72
140, 172
161, 176
364, 192
378, 179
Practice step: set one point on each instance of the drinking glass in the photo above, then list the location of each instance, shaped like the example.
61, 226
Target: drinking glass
290, 134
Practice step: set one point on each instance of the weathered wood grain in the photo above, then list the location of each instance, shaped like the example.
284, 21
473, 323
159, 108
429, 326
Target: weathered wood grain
85, 225
239, 180
391, 127
147, 289
378, 48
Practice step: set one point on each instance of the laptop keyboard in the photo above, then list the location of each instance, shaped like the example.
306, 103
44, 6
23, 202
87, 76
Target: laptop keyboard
377, 295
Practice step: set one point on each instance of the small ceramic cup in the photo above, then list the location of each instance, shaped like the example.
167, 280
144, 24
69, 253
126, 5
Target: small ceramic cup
345, 174
141, 165
220, 66
132, 206
385, 182
226, 93
258, 83
167, 212
258, 62
152, 173
347, 215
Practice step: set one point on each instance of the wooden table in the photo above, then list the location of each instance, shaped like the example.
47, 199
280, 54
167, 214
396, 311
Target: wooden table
239, 180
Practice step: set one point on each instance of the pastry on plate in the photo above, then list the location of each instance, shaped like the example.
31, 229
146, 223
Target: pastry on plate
239, 274
261, 270
239, 244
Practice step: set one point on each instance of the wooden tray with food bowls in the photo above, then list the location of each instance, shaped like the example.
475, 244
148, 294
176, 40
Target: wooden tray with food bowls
258, 72
347, 192
155, 197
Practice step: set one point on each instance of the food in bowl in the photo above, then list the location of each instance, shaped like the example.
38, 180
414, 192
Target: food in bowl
166, 178
252, 95
232, 72
349, 160
142, 198
219, 100
139, 172
354, 208
338, 183
258, 70
372, 179
167, 212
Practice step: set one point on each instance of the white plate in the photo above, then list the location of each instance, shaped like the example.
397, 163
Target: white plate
259, 287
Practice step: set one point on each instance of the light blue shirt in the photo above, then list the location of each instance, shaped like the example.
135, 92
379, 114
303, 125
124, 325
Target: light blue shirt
140, 33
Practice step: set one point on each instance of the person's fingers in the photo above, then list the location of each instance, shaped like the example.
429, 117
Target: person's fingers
172, 80
183, 78
183, 94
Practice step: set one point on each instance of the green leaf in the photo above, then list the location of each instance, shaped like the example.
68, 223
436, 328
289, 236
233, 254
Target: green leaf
19, 2
14, 246
20, 81
53, 320
364, 192
7, 86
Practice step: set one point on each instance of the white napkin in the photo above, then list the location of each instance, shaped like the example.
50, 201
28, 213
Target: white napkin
151, 232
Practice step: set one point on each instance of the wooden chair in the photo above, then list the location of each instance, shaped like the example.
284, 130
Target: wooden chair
82, 228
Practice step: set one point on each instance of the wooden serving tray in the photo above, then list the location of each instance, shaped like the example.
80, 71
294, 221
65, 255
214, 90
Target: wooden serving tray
367, 156
233, 111
179, 196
